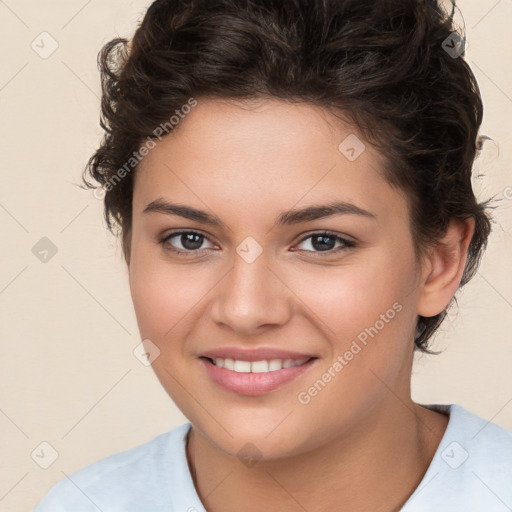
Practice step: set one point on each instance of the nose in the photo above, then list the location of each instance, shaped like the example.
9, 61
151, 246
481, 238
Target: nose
251, 297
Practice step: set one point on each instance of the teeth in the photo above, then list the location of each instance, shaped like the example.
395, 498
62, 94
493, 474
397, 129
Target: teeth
275, 364
242, 366
257, 366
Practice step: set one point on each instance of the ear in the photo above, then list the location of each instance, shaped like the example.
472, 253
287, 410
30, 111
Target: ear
443, 268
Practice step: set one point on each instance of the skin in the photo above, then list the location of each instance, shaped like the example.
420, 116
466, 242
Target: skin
361, 443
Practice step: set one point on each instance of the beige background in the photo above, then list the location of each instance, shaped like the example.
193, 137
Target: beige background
68, 331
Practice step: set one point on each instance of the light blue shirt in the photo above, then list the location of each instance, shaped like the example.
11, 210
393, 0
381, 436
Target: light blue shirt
471, 472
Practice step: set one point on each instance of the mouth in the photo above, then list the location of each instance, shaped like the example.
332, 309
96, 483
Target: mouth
254, 378
262, 366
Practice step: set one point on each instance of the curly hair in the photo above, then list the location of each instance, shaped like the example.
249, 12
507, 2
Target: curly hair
383, 65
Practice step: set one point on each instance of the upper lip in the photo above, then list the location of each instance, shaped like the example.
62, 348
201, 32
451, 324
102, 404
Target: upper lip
255, 354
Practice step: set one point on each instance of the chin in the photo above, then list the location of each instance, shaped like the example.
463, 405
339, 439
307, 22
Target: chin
269, 439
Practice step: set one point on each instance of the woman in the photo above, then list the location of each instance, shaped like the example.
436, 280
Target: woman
292, 184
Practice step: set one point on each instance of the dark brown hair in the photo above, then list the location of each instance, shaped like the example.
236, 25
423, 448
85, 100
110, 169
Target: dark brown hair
390, 67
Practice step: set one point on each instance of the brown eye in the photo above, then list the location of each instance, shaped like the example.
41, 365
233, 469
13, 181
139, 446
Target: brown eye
326, 242
190, 241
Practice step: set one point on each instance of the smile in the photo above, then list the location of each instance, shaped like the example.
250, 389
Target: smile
254, 378
262, 366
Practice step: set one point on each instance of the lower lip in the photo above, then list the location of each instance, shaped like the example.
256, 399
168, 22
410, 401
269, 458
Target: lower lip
253, 384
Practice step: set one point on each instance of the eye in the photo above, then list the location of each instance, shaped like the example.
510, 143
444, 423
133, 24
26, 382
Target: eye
325, 241
190, 241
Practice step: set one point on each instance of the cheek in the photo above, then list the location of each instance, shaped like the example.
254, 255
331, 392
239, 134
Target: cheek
367, 315
165, 299
162, 294
348, 299
367, 312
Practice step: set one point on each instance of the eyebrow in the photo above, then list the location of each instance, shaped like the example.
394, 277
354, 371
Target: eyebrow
286, 218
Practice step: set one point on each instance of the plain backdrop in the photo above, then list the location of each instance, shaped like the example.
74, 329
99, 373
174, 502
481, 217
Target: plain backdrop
69, 378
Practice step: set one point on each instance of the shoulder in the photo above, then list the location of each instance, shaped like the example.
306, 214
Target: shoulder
486, 446
480, 434
123, 480
471, 469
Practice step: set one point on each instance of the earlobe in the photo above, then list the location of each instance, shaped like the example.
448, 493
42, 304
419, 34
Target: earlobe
446, 263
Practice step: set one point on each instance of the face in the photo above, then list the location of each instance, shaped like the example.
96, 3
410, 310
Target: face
338, 290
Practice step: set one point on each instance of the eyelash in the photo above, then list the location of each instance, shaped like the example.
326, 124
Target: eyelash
347, 244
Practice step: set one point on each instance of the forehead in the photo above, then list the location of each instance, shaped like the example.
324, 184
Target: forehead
260, 156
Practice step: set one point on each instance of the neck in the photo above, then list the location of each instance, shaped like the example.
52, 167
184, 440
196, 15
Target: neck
376, 467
